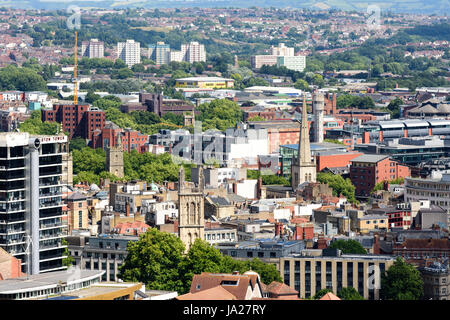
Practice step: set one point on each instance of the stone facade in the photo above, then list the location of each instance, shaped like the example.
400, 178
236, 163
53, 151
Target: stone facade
190, 211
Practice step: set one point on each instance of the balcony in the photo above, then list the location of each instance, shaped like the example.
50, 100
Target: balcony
51, 205
52, 236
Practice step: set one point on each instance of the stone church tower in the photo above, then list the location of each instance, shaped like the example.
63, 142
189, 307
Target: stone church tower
114, 159
304, 166
191, 217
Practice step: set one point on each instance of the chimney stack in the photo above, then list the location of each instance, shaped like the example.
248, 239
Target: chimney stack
318, 109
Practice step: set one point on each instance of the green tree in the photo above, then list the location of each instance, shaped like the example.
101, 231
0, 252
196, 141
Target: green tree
321, 293
77, 144
339, 185
91, 97
201, 257
68, 260
219, 114
23, 79
301, 85
394, 107
34, 125
349, 246
402, 281
89, 160
154, 260
349, 293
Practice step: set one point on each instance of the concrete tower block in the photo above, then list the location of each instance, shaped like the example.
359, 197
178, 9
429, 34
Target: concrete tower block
318, 109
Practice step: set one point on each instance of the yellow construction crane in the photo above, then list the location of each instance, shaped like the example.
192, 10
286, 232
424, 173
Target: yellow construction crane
75, 81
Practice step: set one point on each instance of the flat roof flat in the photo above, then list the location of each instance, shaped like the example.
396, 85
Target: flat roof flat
371, 158
47, 280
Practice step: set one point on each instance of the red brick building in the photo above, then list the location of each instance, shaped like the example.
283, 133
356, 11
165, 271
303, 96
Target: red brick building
10, 267
334, 159
420, 252
130, 139
369, 169
79, 120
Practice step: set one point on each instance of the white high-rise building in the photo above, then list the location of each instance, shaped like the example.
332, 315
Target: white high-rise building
93, 49
193, 52
282, 50
296, 63
32, 220
129, 52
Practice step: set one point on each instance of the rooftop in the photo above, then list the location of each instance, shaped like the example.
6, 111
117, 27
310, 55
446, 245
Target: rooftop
370, 158
46, 280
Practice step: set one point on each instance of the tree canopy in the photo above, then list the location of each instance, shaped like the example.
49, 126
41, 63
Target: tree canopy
164, 266
339, 185
402, 281
34, 125
349, 293
348, 246
219, 114
22, 79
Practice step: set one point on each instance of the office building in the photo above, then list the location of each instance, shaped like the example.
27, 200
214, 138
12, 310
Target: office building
436, 281
435, 189
313, 270
282, 50
260, 60
296, 63
80, 120
129, 52
369, 169
103, 253
32, 221
204, 82
92, 49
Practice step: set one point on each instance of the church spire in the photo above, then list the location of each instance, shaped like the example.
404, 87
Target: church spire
181, 179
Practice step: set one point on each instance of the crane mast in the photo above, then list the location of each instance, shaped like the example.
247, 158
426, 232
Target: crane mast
75, 80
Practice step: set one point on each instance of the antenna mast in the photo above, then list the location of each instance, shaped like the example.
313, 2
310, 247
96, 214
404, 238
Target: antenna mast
75, 81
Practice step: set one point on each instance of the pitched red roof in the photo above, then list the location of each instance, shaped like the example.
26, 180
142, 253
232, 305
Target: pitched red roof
235, 284
214, 293
279, 288
426, 244
330, 296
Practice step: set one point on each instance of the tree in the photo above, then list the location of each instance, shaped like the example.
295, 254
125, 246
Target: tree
23, 79
402, 281
34, 125
219, 114
348, 246
91, 97
201, 257
68, 260
394, 107
301, 85
319, 294
154, 260
349, 293
77, 144
89, 160
339, 185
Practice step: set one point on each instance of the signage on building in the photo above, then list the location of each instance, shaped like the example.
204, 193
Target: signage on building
53, 139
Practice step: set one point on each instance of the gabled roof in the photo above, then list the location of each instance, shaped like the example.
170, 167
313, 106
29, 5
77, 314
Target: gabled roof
278, 288
235, 284
76, 196
330, 296
214, 293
